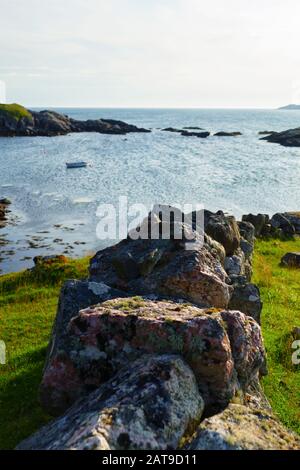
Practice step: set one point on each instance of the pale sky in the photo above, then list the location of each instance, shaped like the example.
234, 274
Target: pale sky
150, 53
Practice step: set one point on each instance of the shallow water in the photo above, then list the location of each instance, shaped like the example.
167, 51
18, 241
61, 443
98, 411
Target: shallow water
238, 175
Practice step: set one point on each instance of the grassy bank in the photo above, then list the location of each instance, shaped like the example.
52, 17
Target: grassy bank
27, 309
280, 290
16, 111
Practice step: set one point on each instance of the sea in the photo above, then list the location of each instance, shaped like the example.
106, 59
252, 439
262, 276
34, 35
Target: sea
54, 210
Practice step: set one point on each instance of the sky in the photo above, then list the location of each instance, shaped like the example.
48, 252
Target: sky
150, 53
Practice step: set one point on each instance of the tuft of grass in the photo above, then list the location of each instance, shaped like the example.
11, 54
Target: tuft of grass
16, 111
28, 302
280, 290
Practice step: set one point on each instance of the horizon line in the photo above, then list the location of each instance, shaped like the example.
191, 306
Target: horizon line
156, 107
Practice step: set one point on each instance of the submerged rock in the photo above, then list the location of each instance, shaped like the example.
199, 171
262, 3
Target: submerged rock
150, 404
244, 428
223, 348
227, 134
201, 135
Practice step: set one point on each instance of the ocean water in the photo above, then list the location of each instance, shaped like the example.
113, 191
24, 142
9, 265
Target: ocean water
54, 209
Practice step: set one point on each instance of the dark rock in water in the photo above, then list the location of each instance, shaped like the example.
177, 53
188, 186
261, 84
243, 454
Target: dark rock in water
291, 260
258, 221
4, 203
289, 138
191, 128
171, 129
242, 427
201, 135
227, 134
150, 404
223, 348
51, 123
288, 222
266, 132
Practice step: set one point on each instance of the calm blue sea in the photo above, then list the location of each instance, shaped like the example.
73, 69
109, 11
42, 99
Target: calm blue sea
57, 207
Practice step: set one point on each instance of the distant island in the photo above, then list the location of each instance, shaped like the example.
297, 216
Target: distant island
290, 107
17, 121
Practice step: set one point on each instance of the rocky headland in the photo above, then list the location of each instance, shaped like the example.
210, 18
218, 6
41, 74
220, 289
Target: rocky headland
289, 138
17, 121
161, 346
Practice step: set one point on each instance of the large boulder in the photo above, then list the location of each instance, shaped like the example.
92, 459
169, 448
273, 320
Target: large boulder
291, 260
259, 222
288, 222
150, 405
246, 298
224, 349
224, 229
166, 266
244, 428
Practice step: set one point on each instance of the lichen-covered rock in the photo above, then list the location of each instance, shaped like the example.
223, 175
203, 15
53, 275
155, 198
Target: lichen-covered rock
244, 428
166, 267
291, 260
246, 298
75, 295
224, 349
149, 405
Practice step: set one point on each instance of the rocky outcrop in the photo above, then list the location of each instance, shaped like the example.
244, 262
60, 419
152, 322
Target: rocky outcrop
201, 135
162, 369
244, 428
258, 221
4, 204
227, 134
150, 404
50, 123
223, 348
291, 260
287, 222
172, 129
223, 229
289, 138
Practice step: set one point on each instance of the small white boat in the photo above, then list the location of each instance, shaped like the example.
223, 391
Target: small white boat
77, 165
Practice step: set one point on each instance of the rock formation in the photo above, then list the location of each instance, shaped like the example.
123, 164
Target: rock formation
153, 350
50, 123
4, 204
289, 138
227, 134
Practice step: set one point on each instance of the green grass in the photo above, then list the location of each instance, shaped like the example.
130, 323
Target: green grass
16, 111
27, 309
280, 290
